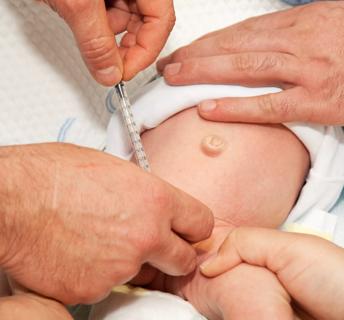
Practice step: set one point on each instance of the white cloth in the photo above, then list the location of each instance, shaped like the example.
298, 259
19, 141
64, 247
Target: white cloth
139, 304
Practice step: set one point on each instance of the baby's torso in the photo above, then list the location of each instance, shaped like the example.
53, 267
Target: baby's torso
247, 174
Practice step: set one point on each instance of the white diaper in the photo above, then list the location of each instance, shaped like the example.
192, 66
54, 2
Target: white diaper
157, 102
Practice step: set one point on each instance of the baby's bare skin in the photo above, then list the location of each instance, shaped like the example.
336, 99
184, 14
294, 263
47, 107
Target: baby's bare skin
254, 180
248, 175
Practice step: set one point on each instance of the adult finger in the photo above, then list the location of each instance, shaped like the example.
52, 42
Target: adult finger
174, 256
147, 40
286, 106
145, 276
275, 20
88, 21
230, 41
191, 220
253, 68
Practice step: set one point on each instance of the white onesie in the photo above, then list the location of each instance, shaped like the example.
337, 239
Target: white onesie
157, 102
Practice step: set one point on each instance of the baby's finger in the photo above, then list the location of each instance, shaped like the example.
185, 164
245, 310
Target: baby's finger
286, 106
253, 68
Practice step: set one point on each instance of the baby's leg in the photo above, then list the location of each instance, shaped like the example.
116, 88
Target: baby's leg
25, 306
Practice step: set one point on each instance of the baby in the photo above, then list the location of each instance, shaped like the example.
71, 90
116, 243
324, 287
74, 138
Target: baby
248, 175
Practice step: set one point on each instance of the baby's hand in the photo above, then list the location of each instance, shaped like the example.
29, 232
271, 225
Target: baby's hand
310, 268
244, 292
249, 292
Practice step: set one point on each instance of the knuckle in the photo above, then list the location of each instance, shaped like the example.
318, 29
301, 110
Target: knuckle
181, 54
98, 50
252, 63
234, 38
88, 292
172, 21
70, 8
160, 197
186, 260
225, 43
270, 107
151, 240
337, 11
244, 62
126, 274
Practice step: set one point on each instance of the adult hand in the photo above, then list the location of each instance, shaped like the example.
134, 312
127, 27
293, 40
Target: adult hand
147, 24
75, 222
300, 50
309, 268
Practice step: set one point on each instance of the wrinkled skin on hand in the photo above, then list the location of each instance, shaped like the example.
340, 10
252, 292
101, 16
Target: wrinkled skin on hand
301, 50
76, 221
146, 23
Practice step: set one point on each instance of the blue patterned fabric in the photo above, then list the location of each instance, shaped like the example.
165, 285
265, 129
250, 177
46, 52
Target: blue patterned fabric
297, 2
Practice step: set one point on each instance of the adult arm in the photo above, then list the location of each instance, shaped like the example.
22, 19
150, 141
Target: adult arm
74, 222
301, 50
308, 267
147, 24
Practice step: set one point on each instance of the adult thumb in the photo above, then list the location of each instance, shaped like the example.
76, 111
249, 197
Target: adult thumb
89, 24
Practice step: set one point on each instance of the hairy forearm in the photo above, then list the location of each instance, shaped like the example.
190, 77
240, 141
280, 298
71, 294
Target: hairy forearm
8, 187
25, 183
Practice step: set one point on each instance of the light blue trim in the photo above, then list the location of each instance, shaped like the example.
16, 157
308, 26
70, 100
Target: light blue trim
297, 2
65, 127
109, 101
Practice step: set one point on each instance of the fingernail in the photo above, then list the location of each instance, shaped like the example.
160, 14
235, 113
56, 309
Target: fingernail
172, 69
204, 266
109, 75
108, 71
207, 106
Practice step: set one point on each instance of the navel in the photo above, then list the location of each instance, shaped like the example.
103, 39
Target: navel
213, 145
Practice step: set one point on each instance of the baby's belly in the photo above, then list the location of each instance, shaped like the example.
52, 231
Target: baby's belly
247, 174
